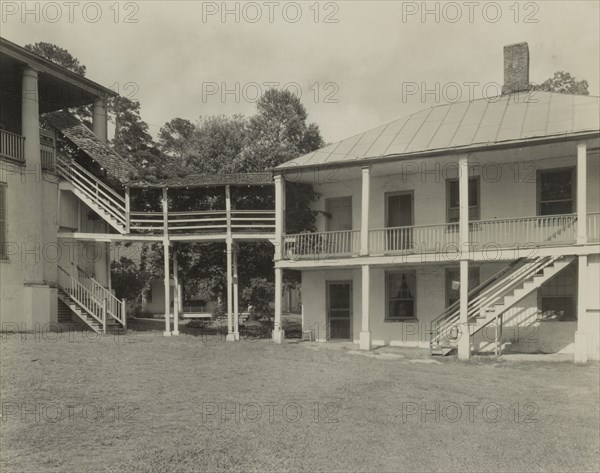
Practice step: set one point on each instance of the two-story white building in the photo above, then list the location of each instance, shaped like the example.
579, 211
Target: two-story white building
472, 226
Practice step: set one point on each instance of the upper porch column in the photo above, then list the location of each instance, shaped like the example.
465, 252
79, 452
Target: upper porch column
464, 342
100, 120
279, 215
32, 238
581, 193
364, 216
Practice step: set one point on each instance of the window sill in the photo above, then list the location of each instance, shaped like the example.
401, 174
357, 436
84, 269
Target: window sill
404, 319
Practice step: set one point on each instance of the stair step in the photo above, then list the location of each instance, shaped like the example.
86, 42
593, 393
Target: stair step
442, 351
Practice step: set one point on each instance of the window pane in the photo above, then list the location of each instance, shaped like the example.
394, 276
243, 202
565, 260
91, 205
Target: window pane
556, 185
453, 194
473, 192
556, 208
399, 309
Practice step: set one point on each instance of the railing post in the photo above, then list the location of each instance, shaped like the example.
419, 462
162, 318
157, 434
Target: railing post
124, 313
581, 193
104, 316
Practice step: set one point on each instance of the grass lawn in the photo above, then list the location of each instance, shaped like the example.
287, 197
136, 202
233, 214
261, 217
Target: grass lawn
148, 403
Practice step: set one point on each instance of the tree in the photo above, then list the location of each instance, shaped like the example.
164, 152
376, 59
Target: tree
174, 136
58, 56
278, 132
564, 83
128, 279
65, 59
132, 139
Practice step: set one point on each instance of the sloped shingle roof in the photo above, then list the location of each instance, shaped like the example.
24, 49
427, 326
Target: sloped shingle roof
482, 122
90, 144
202, 180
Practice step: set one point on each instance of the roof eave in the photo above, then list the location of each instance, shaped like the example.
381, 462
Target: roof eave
282, 168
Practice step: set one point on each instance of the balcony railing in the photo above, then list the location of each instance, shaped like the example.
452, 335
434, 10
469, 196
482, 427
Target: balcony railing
550, 230
12, 146
47, 150
322, 245
211, 221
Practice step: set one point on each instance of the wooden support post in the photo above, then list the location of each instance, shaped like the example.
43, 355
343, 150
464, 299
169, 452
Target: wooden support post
165, 207
365, 333
278, 334
236, 290
229, 242
464, 342
364, 217
581, 193
127, 210
581, 353
175, 295
104, 316
124, 315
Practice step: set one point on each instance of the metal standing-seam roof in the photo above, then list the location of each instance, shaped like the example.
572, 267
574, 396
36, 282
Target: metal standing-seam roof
90, 144
483, 122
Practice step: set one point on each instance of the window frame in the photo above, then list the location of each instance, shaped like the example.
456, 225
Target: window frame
449, 182
328, 213
539, 189
412, 318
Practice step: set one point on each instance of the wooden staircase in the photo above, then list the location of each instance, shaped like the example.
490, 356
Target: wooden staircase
91, 303
106, 202
491, 299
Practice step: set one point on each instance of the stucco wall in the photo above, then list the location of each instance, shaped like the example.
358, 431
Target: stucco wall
25, 303
522, 331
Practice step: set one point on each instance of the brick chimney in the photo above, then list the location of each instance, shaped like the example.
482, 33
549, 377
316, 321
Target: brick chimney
516, 68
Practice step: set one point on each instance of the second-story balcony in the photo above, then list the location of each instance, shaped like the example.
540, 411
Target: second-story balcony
12, 148
210, 222
484, 235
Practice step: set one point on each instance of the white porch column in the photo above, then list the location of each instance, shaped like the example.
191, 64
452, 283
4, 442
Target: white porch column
278, 334
176, 301
229, 242
365, 333
464, 342
236, 295
32, 205
279, 215
581, 193
581, 349
364, 216
165, 207
100, 120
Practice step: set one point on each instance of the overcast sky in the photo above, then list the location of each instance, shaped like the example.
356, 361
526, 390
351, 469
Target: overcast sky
357, 64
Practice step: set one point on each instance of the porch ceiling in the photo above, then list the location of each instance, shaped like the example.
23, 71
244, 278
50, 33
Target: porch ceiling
511, 119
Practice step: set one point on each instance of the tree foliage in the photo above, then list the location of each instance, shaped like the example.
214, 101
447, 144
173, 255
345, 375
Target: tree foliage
564, 83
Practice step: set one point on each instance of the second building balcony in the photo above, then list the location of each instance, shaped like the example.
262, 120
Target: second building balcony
484, 235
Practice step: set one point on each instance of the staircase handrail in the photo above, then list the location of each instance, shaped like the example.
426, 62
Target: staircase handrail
83, 296
494, 293
115, 307
93, 188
